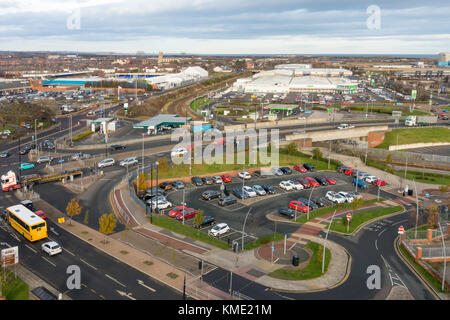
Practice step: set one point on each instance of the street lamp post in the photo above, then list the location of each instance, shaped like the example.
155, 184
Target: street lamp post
245, 220
325, 244
445, 255
417, 209
309, 201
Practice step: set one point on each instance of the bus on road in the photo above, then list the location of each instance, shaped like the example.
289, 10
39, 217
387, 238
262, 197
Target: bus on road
27, 223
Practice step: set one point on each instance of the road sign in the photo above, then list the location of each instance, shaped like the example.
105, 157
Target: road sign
413, 94
349, 216
10, 256
61, 220
401, 230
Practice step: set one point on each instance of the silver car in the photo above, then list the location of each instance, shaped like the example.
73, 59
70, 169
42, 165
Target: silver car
128, 162
106, 163
259, 190
43, 159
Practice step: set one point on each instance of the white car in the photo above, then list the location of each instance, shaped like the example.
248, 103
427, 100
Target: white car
128, 162
244, 175
334, 197
251, 193
106, 163
44, 159
178, 152
370, 179
161, 204
296, 185
345, 126
259, 190
219, 229
346, 195
51, 248
286, 185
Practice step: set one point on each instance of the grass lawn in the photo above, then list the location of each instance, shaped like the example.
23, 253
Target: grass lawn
437, 285
360, 218
320, 212
311, 271
415, 135
197, 104
14, 288
176, 226
262, 241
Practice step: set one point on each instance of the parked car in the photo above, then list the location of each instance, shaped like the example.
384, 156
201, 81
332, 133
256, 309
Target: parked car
207, 221
309, 167
207, 180
276, 171
334, 197
262, 173
166, 186
312, 182
244, 175
286, 185
296, 185
153, 198
370, 179
196, 181
26, 166
226, 178
217, 180
240, 194
116, 147
286, 170
346, 195
288, 212
300, 168
299, 206
226, 201
312, 205
355, 195
330, 180
128, 162
160, 204
379, 182
304, 183
186, 214
249, 190
349, 171
5, 154
319, 202
360, 182
321, 180
177, 210
210, 194
219, 229
178, 184
106, 163
259, 190
268, 188
51, 248
341, 169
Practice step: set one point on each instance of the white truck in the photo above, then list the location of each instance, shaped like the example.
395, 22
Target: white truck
412, 121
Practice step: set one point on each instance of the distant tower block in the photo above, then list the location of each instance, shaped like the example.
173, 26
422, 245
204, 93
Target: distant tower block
160, 57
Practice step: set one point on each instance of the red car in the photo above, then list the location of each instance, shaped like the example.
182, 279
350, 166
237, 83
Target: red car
188, 214
226, 178
312, 182
298, 205
176, 211
41, 214
379, 182
304, 182
300, 168
329, 180
349, 171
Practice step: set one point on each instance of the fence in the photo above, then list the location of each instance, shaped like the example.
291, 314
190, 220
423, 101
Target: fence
197, 289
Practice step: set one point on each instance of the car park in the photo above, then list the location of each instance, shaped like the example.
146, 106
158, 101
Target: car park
244, 175
166, 186
287, 212
106, 163
210, 194
286, 185
319, 202
128, 162
309, 167
207, 180
207, 221
360, 182
349, 171
219, 229
175, 211
188, 213
321, 180
312, 205
379, 182
298, 206
249, 190
346, 195
196, 181
341, 169
51, 248
153, 198
276, 171
304, 182
217, 180
226, 178
178, 185
313, 183
296, 185
226, 201
286, 170
240, 194
355, 195
268, 188
259, 190
26, 166
334, 197
160, 204
300, 168
370, 179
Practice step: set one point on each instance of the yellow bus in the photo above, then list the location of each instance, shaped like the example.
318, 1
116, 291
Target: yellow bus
27, 223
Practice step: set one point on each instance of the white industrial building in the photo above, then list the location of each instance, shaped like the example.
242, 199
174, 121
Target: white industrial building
291, 78
171, 80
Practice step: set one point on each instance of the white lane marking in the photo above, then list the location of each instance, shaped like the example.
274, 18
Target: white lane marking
30, 248
401, 221
376, 244
88, 264
381, 232
145, 286
108, 276
124, 294
69, 252
49, 261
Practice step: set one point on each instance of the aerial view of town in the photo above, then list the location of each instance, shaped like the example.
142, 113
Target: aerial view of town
241, 153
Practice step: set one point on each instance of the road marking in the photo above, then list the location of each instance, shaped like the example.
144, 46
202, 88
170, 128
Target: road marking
124, 294
381, 232
108, 276
68, 252
30, 248
145, 286
88, 264
401, 221
376, 244
49, 261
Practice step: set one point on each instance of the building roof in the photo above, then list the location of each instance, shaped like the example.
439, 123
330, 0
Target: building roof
160, 120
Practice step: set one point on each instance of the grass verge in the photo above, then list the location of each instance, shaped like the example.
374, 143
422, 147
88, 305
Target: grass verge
311, 271
415, 135
13, 288
362, 217
262, 241
197, 104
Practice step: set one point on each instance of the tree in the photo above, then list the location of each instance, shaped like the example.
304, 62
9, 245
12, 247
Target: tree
73, 208
356, 204
389, 159
141, 183
291, 148
86, 218
443, 188
107, 224
198, 219
163, 164
317, 154
433, 216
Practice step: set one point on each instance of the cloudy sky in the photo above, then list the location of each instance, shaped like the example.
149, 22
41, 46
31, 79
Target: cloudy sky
227, 26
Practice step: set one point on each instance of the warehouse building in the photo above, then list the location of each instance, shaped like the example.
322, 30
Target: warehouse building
185, 77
